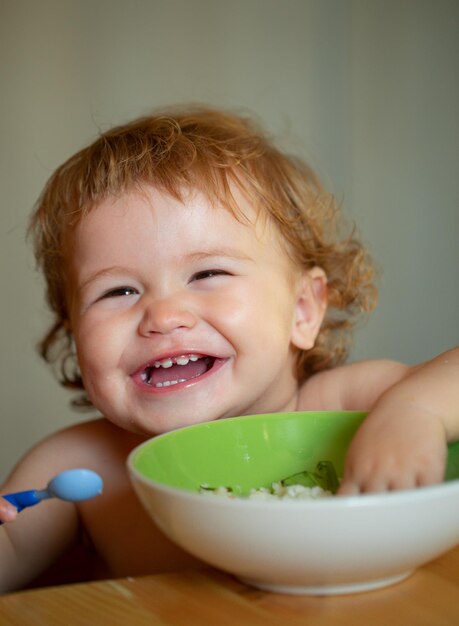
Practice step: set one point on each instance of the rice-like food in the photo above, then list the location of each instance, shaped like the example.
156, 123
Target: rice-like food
278, 491
305, 485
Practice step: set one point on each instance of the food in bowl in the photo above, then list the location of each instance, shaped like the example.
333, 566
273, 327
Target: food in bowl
277, 491
322, 482
313, 546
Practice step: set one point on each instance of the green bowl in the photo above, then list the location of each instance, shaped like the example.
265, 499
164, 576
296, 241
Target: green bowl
322, 546
252, 451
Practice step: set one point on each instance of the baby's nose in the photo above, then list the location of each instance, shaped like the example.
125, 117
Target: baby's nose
166, 315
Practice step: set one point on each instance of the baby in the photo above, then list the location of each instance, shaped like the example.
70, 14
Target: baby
195, 272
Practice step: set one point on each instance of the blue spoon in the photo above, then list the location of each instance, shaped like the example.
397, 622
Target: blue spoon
73, 485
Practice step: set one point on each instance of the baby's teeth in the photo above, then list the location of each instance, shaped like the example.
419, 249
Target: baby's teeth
168, 383
164, 363
181, 360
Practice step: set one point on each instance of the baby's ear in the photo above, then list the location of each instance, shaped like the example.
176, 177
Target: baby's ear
311, 304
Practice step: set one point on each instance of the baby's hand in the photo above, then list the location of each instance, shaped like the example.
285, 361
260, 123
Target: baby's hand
392, 452
8, 512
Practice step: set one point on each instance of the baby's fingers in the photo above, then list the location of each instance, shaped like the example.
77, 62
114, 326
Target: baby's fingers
386, 479
371, 484
8, 512
364, 475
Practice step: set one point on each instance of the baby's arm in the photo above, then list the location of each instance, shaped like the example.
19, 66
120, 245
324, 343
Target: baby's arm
39, 534
403, 442
413, 414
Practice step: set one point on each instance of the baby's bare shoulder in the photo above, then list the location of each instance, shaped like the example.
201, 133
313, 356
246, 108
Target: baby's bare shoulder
91, 436
96, 444
353, 386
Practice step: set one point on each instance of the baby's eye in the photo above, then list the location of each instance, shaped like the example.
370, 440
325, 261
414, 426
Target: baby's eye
119, 292
208, 274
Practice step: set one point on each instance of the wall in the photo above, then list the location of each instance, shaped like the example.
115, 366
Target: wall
367, 91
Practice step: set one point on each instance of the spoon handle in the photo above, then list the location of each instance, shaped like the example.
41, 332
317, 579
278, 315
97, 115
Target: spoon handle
22, 499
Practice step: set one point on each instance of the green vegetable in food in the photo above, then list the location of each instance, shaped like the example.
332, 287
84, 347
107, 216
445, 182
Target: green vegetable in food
323, 476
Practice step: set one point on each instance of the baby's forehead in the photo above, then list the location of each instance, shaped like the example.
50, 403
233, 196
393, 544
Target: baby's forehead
234, 200
235, 215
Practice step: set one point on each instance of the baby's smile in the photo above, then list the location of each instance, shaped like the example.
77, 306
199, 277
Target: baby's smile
176, 370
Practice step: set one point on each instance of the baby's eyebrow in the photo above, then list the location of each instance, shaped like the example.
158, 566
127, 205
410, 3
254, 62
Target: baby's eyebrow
109, 271
220, 252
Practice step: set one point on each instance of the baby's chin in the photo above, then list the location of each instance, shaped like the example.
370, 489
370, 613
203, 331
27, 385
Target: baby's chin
148, 426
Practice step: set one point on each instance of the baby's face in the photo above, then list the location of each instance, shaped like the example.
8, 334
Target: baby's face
181, 313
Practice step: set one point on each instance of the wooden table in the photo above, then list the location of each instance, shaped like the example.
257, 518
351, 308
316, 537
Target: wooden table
430, 597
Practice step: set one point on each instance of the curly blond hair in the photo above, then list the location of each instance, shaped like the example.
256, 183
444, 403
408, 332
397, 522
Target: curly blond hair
212, 151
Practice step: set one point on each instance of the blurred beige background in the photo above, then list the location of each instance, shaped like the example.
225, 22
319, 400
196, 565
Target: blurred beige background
367, 90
